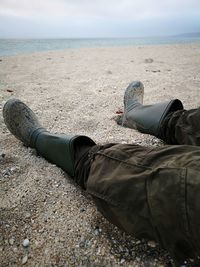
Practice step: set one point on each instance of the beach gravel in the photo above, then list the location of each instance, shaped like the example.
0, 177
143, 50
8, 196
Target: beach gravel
79, 91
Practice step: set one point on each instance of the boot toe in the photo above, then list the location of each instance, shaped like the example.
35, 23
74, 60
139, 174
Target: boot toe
20, 120
134, 92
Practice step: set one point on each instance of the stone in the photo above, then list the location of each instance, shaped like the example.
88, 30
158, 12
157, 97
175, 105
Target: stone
151, 244
27, 215
11, 241
148, 60
82, 209
122, 261
25, 259
26, 243
109, 72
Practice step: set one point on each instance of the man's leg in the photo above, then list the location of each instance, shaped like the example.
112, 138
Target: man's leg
181, 127
166, 120
152, 193
63, 150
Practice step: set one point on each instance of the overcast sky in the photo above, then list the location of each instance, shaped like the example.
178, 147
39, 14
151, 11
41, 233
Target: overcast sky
97, 18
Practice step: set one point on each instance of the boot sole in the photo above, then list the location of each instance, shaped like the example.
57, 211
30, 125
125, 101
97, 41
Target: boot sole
135, 90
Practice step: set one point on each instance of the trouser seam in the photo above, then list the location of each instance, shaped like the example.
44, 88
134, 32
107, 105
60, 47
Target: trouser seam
101, 196
183, 200
125, 162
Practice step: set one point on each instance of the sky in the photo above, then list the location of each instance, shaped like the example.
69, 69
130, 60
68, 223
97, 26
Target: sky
97, 18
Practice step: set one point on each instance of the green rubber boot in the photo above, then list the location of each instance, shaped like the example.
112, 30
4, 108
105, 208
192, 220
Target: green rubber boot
60, 149
145, 118
63, 150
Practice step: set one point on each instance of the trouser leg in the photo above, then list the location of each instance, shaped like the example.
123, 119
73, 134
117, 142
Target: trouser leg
152, 193
181, 127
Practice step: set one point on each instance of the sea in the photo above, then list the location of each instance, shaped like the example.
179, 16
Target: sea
10, 47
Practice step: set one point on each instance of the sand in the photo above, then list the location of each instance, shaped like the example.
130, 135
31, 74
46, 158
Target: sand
79, 91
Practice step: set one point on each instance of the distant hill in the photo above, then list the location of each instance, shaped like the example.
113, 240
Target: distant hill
189, 35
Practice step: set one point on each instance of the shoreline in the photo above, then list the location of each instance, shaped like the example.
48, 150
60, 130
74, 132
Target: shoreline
99, 46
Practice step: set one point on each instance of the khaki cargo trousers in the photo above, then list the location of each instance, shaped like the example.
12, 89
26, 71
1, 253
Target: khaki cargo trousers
152, 193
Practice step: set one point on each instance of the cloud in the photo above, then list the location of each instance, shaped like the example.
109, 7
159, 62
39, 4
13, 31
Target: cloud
121, 9
85, 18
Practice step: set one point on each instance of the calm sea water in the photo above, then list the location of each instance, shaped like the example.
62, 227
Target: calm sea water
10, 47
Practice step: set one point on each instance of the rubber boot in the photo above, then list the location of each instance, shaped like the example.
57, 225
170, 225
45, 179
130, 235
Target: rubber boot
145, 118
63, 150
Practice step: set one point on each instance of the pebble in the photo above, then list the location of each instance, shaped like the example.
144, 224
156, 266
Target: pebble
26, 243
12, 169
122, 261
109, 72
82, 209
11, 241
25, 259
15, 249
151, 244
148, 60
155, 71
6, 172
27, 215
96, 232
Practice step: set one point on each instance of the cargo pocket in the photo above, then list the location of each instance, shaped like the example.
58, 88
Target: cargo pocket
120, 192
193, 207
167, 202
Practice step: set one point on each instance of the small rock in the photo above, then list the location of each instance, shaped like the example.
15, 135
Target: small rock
82, 209
88, 243
155, 71
3, 155
151, 244
1, 60
96, 231
27, 215
6, 172
11, 241
25, 259
62, 239
9, 90
26, 243
122, 261
148, 60
15, 249
13, 169
82, 239
109, 72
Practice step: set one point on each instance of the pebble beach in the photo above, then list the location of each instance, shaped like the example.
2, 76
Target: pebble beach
45, 219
